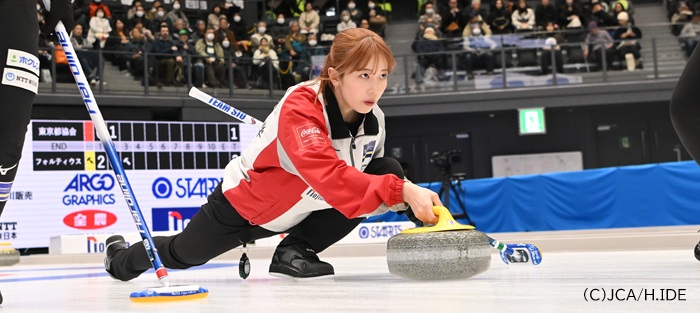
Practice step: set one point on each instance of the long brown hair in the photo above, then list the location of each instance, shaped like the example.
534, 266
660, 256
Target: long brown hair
352, 49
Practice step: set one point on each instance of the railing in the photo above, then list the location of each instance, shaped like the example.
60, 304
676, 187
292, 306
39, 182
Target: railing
517, 63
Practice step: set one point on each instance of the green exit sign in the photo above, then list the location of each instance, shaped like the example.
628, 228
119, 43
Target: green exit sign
531, 121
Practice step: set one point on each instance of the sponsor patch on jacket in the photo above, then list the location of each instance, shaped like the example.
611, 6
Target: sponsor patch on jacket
309, 134
21, 59
21, 79
5, 188
367, 153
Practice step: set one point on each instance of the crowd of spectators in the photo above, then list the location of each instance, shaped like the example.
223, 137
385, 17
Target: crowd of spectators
175, 46
472, 31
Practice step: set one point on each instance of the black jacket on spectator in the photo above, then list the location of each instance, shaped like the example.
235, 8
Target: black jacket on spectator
544, 15
603, 19
130, 23
500, 21
240, 30
565, 11
453, 24
164, 47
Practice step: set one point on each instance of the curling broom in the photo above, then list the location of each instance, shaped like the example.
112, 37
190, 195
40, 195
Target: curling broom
165, 292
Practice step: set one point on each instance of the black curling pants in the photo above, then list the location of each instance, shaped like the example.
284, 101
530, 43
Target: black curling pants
218, 228
19, 32
685, 107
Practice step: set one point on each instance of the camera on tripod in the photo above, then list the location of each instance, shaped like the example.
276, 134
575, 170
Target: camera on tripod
443, 160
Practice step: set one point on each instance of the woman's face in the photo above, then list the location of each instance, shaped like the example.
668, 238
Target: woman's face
359, 91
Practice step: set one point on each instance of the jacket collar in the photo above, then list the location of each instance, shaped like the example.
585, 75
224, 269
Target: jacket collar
338, 128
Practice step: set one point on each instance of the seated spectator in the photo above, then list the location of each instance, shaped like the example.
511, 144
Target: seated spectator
139, 17
364, 24
679, 18
138, 47
479, 49
356, 14
200, 29
428, 47
552, 38
430, 18
238, 64
166, 50
213, 17
213, 55
309, 20
81, 11
371, 5
186, 58
99, 29
179, 25
97, 4
145, 31
628, 47
312, 48
476, 9
177, 14
132, 10
152, 13
545, 13
691, 34
263, 58
225, 34
377, 23
598, 44
87, 57
294, 41
117, 41
260, 34
476, 26
600, 17
500, 19
523, 17
280, 28
160, 19
454, 20
239, 27
345, 22
571, 15
618, 8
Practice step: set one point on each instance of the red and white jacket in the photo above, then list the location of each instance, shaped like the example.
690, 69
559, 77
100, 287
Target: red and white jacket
305, 159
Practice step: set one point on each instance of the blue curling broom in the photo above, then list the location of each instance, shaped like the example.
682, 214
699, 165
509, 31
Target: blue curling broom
165, 292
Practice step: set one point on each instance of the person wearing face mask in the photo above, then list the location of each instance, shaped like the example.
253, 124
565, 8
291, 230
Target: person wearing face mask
225, 36
97, 4
159, 19
152, 13
278, 28
430, 18
177, 14
345, 22
356, 14
239, 27
478, 47
132, 10
212, 55
371, 5
259, 34
264, 57
99, 29
139, 17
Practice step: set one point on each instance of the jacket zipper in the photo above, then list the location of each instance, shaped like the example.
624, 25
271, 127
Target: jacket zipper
352, 147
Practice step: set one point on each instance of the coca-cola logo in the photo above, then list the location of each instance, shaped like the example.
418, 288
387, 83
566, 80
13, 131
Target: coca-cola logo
309, 134
310, 131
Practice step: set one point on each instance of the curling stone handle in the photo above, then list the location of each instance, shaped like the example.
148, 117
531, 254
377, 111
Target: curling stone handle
444, 216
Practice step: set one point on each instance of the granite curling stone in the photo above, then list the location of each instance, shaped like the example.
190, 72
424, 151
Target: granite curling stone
448, 250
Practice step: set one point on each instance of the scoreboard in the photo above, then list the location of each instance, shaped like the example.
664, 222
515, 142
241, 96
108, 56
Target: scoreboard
65, 184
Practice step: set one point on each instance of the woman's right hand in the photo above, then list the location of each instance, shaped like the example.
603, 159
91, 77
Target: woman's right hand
421, 201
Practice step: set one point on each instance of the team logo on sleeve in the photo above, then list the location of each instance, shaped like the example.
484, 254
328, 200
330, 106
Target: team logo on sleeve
310, 134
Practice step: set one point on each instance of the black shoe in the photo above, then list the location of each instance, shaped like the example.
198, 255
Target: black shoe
298, 261
114, 243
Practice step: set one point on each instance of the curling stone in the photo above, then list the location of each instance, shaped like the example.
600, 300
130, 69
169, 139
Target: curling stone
8, 255
448, 250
